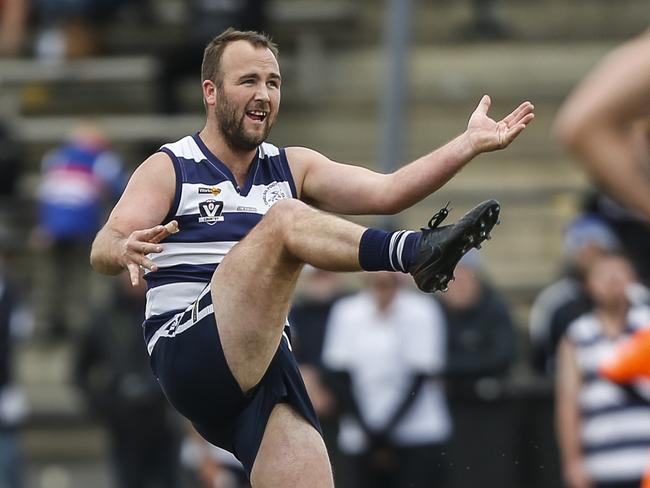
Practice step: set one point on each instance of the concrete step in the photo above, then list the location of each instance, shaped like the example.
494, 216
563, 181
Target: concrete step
45, 371
447, 73
345, 23
346, 78
445, 21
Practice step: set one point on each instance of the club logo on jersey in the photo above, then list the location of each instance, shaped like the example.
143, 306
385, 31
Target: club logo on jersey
210, 212
213, 190
273, 193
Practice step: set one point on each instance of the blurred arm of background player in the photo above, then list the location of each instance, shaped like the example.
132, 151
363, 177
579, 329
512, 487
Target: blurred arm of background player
605, 124
567, 384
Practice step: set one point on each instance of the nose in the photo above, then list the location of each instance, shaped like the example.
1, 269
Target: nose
262, 93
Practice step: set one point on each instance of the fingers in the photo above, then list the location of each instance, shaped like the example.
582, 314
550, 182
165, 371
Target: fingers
136, 245
148, 264
527, 119
512, 133
143, 242
134, 267
167, 229
171, 227
148, 234
484, 105
134, 273
516, 122
518, 114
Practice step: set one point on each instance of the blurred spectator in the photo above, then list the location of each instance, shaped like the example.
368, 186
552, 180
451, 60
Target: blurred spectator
630, 365
603, 428
632, 231
112, 369
604, 123
586, 238
206, 19
480, 352
317, 292
384, 347
480, 331
13, 19
70, 29
15, 323
79, 179
486, 23
10, 164
211, 466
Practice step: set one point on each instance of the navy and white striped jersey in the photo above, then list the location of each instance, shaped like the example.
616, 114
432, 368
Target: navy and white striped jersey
213, 214
615, 423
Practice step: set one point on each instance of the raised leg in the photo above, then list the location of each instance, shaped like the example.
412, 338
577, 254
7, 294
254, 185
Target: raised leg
253, 286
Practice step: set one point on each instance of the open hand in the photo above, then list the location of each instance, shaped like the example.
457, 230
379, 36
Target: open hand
143, 242
487, 135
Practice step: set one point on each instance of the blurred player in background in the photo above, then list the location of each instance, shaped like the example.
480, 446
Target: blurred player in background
79, 180
603, 429
605, 124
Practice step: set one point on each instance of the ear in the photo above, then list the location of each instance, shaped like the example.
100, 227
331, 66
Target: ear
209, 92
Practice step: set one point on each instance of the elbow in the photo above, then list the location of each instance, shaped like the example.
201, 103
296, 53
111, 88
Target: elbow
389, 206
99, 263
95, 262
94, 258
572, 132
581, 130
389, 200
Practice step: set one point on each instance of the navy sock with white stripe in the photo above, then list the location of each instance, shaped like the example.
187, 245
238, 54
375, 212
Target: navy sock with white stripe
388, 251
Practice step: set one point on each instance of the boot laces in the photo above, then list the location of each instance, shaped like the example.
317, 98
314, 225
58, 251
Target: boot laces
439, 216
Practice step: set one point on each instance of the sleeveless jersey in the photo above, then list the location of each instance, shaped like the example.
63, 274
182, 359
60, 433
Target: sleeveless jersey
213, 214
615, 425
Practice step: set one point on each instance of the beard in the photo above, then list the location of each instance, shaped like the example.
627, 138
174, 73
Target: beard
231, 124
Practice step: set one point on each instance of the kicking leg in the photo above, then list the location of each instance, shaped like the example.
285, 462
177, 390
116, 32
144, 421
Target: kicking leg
253, 286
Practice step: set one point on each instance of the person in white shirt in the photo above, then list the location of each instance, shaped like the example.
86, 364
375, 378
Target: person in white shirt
384, 347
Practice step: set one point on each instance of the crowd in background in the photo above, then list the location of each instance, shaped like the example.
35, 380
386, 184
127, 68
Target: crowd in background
411, 390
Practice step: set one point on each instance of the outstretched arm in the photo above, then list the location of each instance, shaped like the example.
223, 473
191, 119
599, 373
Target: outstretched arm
604, 124
350, 189
133, 229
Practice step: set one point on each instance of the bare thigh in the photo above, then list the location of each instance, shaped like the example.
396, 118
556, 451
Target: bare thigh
251, 291
253, 286
292, 454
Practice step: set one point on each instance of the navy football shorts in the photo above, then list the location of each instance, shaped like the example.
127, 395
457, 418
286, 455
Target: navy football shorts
188, 361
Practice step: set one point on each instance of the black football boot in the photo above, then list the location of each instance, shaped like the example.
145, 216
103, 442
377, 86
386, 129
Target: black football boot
442, 247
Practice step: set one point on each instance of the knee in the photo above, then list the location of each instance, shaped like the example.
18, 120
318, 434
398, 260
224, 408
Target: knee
287, 212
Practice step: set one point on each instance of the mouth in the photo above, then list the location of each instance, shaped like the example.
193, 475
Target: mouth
258, 116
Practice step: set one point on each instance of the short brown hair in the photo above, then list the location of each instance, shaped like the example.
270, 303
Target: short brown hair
214, 50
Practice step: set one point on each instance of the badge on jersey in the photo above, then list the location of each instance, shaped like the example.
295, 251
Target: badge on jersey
212, 190
211, 212
273, 193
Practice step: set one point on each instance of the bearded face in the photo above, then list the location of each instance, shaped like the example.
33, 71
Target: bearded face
244, 128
